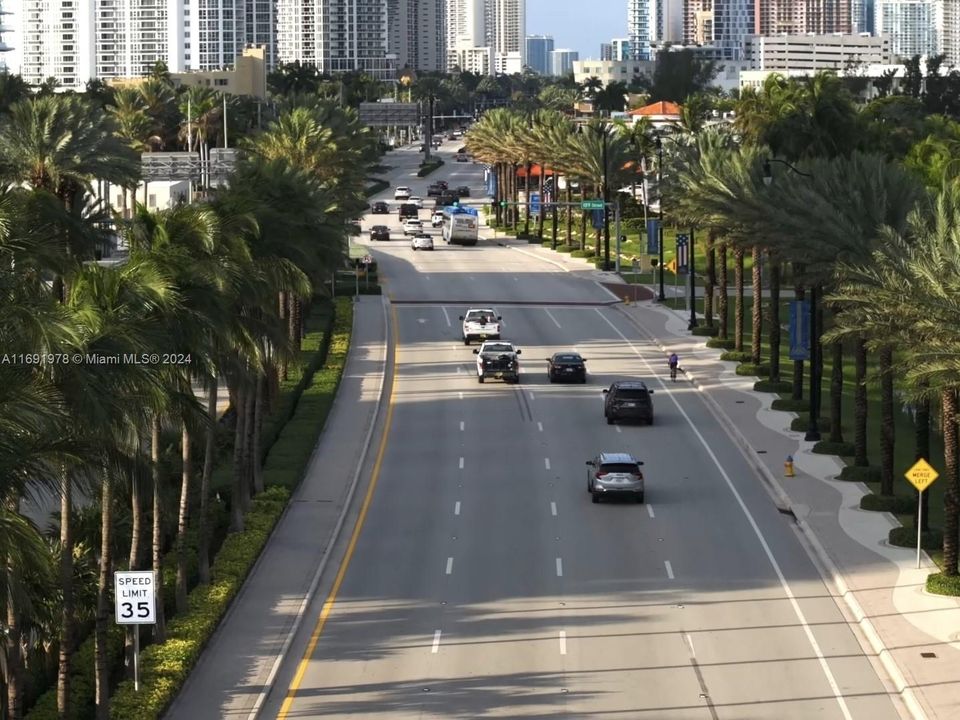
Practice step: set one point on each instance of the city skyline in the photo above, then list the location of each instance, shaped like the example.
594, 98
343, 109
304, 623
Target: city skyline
565, 21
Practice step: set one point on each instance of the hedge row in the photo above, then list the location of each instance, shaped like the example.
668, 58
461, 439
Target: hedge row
427, 168
375, 187
164, 668
81, 703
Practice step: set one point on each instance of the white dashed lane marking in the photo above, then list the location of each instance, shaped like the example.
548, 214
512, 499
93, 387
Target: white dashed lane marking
456, 508
669, 567
436, 642
559, 567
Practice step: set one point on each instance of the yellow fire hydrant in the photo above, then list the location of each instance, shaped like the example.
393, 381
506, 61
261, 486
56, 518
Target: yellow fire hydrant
626, 299
788, 467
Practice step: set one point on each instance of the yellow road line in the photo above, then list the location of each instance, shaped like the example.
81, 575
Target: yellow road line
357, 528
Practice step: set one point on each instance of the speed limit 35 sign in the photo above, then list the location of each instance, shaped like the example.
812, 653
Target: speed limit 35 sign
134, 597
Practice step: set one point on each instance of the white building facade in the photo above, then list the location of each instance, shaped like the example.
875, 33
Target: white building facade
914, 26
816, 52
58, 39
561, 61
476, 28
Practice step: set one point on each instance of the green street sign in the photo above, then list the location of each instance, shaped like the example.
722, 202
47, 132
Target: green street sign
591, 204
503, 203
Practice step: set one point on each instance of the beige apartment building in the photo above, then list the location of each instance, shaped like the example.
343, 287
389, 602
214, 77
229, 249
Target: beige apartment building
247, 77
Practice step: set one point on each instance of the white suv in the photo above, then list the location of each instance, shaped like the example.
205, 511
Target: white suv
412, 227
401, 193
481, 324
437, 218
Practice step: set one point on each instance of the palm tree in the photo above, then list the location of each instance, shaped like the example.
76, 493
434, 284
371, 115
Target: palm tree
429, 90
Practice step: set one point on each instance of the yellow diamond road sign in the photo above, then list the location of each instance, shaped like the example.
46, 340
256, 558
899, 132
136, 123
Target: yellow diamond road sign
921, 475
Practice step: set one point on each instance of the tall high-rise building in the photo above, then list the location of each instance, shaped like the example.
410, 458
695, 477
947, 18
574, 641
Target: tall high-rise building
950, 45
334, 35
732, 22
539, 48
4, 48
606, 51
698, 22
794, 17
561, 61
494, 29
862, 16
58, 41
653, 22
620, 49
915, 27
259, 26
416, 34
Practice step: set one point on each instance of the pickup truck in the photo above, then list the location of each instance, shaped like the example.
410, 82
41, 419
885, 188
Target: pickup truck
480, 324
498, 359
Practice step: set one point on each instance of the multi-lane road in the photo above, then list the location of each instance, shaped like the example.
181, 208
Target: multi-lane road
481, 580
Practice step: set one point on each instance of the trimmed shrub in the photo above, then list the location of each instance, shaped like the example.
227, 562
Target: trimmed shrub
800, 424
585, 253
720, 343
860, 473
706, 331
907, 537
164, 668
735, 356
547, 244
896, 504
770, 386
427, 168
790, 405
375, 187
748, 369
826, 447
943, 585
565, 248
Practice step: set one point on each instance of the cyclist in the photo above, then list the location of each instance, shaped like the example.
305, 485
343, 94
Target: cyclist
674, 362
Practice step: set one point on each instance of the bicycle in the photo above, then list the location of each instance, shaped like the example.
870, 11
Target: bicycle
674, 363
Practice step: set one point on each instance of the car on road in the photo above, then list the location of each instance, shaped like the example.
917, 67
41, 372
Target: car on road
463, 191
401, 193
379, 232
422, 242
615, 474
442, 183
446, 199
498, 359
408, 210
435, 190
462, 158
412, 227
436, 220
480, 324
564, 366
416, 200
628, 400
462, 150
380, 208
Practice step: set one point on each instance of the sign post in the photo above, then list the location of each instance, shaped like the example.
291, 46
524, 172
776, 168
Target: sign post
921, 476
591, 204
134, 594
367, 262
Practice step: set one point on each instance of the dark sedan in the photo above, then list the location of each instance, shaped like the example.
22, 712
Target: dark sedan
379, 232
463, 191
563, 366
380, 208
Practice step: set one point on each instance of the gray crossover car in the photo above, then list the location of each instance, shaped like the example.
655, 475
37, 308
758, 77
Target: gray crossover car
615, 474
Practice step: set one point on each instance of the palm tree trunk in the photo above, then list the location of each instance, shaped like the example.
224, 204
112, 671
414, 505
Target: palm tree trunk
248, 460
583, 229
951, 497
186, 479
209, 453
886, 420
836, 393
257, 428
102, 623
738, 299
710, 278
283, 313
860, 404
757, 309
498, 195
799, 294
922, 450
774, 318
569, 213
14, 669
723, 301
160, 628
515, 188
136, 521
526, 193
236, 494
541, 215
66, 588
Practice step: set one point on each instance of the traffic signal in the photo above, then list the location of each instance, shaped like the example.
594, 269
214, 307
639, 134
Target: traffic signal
503, 203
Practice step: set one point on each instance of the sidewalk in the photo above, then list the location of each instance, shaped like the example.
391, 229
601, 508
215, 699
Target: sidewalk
914, 635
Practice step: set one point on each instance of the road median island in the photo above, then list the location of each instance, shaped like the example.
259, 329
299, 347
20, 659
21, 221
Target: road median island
164, 668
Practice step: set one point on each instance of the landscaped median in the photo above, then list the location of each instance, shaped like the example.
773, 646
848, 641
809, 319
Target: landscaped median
164, 668
427, 168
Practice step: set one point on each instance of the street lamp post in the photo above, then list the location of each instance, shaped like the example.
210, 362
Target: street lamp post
813, 429
661, 296
602, 131
693, 285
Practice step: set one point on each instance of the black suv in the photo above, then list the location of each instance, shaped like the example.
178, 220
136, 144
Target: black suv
409, 210
379, 232
435, 190
380, 208
628, 400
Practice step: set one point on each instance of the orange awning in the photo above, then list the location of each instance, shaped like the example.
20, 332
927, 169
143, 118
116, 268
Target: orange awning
535, 171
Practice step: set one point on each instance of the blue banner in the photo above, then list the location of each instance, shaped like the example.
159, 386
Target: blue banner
653, 236
597, 219
534, 203
683, 259
799, 330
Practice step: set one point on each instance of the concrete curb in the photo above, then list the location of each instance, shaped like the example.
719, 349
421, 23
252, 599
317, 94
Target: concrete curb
785, 505
334, 536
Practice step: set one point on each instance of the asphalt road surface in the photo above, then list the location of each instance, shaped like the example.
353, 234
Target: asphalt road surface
484, 583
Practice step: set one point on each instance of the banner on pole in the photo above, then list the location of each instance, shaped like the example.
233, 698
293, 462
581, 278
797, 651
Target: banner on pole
653, 236
683, 260
799, 330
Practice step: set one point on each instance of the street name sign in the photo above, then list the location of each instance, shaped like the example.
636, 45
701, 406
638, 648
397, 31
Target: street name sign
921, 475
591, 204
134, 597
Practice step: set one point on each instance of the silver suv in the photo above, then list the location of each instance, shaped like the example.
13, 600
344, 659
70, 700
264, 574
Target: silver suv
614, 474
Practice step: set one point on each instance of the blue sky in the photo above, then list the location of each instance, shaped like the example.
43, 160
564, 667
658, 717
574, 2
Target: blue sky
578, 24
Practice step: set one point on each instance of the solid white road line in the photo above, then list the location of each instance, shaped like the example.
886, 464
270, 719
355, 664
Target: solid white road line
446, 316
618, 428
459, 370
669, 567
563, 642
461, 463
784, 585
449, 565
461, 394
559, 567
540, 426
530, 394
436, 642
456, 508
650, 511
546, 463
689, 639
553, 508
461, 426
550, 315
